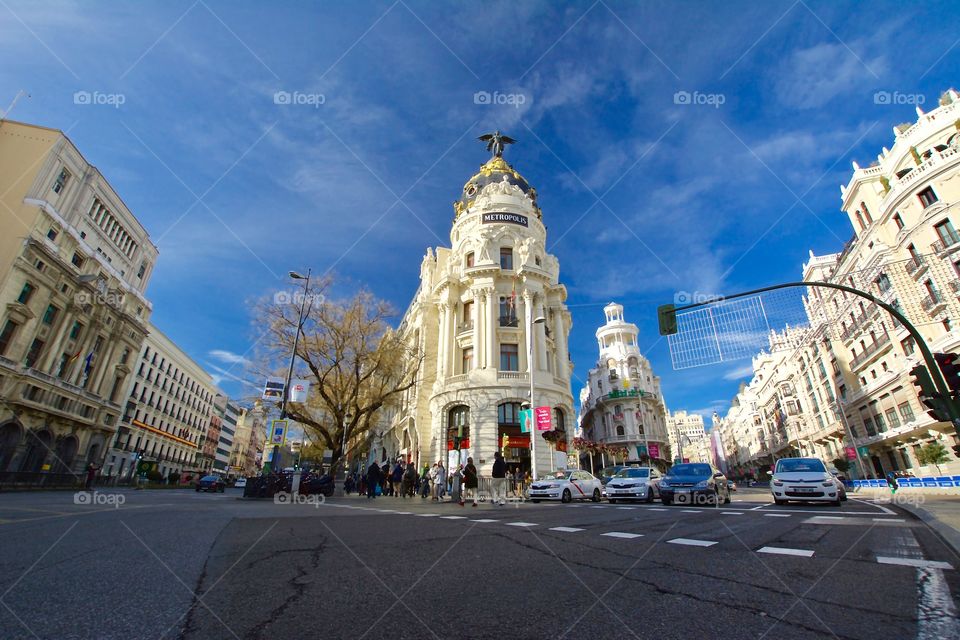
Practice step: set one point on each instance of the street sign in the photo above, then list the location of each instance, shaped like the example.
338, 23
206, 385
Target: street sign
641, 450
851, 453
273, 389
299, 390
863, 451
278, 431
543, 419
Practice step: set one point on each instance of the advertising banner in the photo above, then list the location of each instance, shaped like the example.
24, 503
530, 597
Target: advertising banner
273, 389
278, 431
654, 451
526, 417
299, 390
543, 419
851, 453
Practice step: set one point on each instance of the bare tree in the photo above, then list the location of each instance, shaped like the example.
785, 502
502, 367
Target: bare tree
356, 363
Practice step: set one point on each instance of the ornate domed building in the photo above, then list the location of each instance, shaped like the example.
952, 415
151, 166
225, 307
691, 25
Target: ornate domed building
483, 304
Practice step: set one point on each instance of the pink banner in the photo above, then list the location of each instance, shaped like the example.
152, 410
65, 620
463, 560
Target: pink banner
654, 451
543, 418
851, 453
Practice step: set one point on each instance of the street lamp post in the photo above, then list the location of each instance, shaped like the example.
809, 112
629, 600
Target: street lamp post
533, 404
275, 463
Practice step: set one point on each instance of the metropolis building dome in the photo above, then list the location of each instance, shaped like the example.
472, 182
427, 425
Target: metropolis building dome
472, 318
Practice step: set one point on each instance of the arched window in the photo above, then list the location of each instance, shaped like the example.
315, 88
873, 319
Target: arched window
508, 414
620, 430
458, 422
558, 422
866, 212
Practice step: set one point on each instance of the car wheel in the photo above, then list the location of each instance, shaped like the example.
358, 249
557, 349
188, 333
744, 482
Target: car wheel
778, 501
612, 500
596, 495
837, 503
535, 501
198, 489
726, 499
566, 497
649, 495
666, 501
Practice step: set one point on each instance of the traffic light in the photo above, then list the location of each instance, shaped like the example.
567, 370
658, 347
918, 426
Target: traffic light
928, 394
667, 318
950, 367
504, 444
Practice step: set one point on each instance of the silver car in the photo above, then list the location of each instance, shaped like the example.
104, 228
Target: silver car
634, 483
804, 479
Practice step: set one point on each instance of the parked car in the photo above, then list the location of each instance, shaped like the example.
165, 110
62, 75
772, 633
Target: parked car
804, 479
211, 483
566, 486
634, 483
241, 483
606, 474
313, 484
841, 485
694, 483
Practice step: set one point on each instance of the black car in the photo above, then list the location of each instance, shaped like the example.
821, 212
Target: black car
210, 483
694, 483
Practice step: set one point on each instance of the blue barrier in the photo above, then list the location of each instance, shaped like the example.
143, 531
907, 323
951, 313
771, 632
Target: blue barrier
929, 481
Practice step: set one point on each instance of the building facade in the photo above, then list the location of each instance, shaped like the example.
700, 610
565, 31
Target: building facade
622, 403
167, 413
841, 387
472, 319
688, 439
74, 268
246, 453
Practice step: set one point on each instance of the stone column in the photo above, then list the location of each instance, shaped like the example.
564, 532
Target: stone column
541, 340
477, 330
441, 340
52, 357
492, 362
450, 338
526, 361
563, 371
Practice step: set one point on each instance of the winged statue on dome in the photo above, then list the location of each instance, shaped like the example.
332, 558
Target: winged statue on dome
495, 142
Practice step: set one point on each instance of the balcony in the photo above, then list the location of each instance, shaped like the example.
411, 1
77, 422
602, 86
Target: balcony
949, 240
931, 304
916, 266
872, 350
511, 375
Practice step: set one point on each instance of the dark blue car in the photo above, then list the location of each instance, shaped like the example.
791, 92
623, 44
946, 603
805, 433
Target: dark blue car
694, 483
211, 483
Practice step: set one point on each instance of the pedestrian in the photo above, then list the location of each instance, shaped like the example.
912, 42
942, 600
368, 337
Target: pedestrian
408, 481
373, 480
892, 483
499, 474
425, 480
396, 478
470, 482
456, 480
91, 475
439, 480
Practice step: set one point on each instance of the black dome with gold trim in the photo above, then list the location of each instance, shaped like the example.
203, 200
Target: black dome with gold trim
493, 170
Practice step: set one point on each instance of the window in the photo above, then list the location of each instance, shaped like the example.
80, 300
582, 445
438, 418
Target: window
467, 362
506, 258
458, 422
906, 411
927, 197
860, 221
866, 212
468, 314
909, 346
508, 414
76, 329
143, 270
61, 182
26, 293
52, 234
6, 336
881, 424
34, 353
931, 290
897, 220
893, 418
868, 424
947, 234
558, 421
77, 260
469, 259
509, 357
50, 315
508, 312
40, 265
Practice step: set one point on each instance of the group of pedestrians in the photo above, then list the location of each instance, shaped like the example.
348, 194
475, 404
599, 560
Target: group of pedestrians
436, 483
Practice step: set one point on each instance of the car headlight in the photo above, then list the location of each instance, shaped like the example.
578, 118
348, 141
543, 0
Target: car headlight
703, 484
778, 483
664, 483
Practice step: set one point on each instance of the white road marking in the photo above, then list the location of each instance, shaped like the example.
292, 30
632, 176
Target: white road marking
777, 515
453, 517
936, 613
786, 552
658, 509
521, 524
597, 506
484, 520
402, 513
620, 534
428, 515
889, 520
915, 562
761, 506
731, 513
831, 518
626, 507
565, 529
691, 542
878, 506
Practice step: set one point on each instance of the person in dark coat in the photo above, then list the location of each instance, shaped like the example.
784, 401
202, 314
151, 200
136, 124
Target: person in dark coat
373, 480
470, 482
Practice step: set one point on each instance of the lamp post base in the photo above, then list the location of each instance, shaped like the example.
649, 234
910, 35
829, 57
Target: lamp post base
338, 482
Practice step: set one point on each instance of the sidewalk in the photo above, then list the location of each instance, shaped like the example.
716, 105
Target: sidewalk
941, 513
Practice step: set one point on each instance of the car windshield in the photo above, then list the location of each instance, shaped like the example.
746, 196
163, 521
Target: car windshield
800, 465
691, 470
609, 472
633, 473
209, 478
556, 475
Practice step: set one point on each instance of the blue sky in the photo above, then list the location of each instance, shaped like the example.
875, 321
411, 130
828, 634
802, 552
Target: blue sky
644, 193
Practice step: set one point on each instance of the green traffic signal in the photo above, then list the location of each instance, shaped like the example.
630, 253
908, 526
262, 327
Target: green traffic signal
931, 398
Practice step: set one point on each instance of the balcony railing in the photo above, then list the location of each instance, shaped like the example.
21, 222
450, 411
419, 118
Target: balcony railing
915, 265
870, 351
930, 303
946, 241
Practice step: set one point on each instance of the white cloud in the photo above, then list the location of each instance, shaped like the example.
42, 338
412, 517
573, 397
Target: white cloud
739, 373
812, 77
228, 357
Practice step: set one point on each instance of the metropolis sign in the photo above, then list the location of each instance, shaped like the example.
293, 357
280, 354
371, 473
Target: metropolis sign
510, 218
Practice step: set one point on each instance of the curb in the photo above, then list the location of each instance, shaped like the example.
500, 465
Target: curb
949, 535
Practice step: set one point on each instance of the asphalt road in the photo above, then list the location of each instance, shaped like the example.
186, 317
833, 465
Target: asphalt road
176, 564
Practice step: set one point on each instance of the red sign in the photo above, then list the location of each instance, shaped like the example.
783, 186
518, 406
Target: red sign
654, 451
464, 444
543, 418
518, 443
851, 453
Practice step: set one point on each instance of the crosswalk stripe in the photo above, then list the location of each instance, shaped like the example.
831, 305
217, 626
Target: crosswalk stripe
621, 534
626, 507
731, 513
484, 520
690, 511
913, 562
566, 529
428, 515
658, 509
691, 542
786, 552
453, 517
777, 515
521, 524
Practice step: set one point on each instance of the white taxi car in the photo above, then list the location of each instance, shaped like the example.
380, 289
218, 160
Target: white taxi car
803, 479
566, 486
634, 483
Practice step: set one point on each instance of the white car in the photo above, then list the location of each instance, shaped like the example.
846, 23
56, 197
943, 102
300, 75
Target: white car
566, 486
634, 483
803, 479
241, 483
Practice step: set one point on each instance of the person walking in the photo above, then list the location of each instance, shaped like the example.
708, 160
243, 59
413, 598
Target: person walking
396, 478
470, 482
373, 480
425, 479
408, 481
499, 474
439, 481
91, 476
